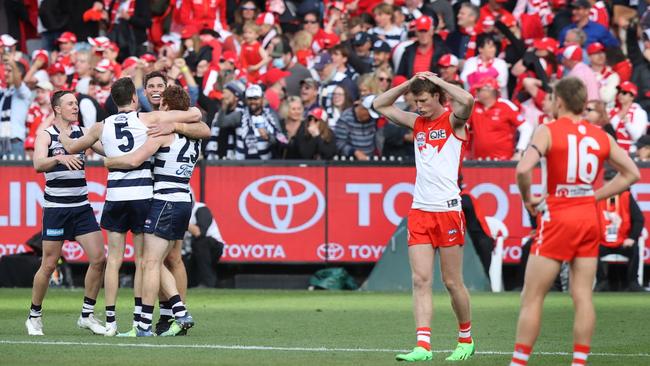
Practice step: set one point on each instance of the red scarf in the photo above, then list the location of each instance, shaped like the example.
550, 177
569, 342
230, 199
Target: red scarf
473, 33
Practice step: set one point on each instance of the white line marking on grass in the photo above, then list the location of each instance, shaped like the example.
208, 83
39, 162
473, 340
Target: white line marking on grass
289, 349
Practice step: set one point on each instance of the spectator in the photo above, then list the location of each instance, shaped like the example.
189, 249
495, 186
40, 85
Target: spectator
301, 44
448, 66
596, 113
283, 58
291, 117
129, 23
494, 123
66, 51
641, 63
643, 148
340, 57
629, 120
362, 45
206, 243
398, 140
477, 227
356, 130
320, 38
385, 77
368, 85
572, 60
84, 68
253, 57
315, 140
258, 132
14, 104
266, 23
330, 77
385, 29
105, 76
274, 79
622, 222
223, 136
486, 65
424, 53
594, 31
381, 55
340, 102
462, 41
607, 78
247, 12
309, 94
413, 9
39, 111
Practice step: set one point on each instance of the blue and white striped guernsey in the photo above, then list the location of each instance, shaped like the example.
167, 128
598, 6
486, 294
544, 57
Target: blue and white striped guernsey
124, 133
63, 187
173, 166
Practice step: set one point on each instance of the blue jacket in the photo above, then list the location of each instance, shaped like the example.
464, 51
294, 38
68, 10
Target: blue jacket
595, 33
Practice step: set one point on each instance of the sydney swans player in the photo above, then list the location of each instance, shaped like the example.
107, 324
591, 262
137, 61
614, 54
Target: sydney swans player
436, 220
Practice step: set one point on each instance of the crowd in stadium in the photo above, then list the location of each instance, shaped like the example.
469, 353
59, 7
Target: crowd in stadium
289, 79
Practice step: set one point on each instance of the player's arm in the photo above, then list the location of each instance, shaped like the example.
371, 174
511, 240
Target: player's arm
164, 122
628, 172
87, 141
384, 104
43, 163
462, 102
532, 156
194, 131
134, 159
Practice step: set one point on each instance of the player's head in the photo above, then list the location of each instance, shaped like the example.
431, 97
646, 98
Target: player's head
428, 97
154, 84
123, 93
65, 105
175, 98
570, 97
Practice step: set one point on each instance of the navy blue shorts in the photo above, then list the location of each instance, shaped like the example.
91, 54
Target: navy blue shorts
66, 223
123, 216
168, 220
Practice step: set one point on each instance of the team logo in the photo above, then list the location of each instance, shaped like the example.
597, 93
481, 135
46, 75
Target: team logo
421, 139
185, 170
58, 151
437, 134
54, 232
281, 204
452, 232
72, 251
330, 252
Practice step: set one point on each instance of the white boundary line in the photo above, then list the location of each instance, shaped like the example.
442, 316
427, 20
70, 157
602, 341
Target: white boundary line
290, 349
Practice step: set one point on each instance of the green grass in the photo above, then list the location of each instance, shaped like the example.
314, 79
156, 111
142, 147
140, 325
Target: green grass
333, 320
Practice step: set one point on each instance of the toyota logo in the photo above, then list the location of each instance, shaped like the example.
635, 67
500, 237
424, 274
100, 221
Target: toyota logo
72, 251
293, 204
330, 252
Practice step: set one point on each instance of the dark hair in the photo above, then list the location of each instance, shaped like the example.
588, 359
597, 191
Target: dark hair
314, 13
21, 69
122, 92
485, 38
154, 74
340, 48
176, 98
55, 100
573, 93
419, 86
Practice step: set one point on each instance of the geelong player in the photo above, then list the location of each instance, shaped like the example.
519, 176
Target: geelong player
129, 191
67, 214
175, 157
436, 220
568, 226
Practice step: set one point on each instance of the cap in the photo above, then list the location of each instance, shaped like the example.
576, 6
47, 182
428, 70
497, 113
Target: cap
486, 82
45, 85
129, 62
42, 54
581, 4
322, 60
310, 81
339, 5
381, 46
488, 21
423, 23
367, 104
229, 56
99, 42
7, 40
265, 18
274, 75
67, 37
594, 48
572, 52
278, 50
236, 87
56, 68
547, 43
448, 60
360, 39
104, 65
254, 91
643, 141
628, 86
112, 46
319, 114
148, 57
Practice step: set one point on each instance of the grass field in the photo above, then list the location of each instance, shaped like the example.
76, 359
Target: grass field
316, 328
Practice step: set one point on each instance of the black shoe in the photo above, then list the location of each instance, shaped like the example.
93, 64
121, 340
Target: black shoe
162, 326
602, 287
634, 287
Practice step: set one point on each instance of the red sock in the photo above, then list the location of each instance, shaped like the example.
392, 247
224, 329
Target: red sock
580, 353
465, 332
521, 354
424, 337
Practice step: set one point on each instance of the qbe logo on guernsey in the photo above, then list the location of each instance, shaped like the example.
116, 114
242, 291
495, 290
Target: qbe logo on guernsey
281, 204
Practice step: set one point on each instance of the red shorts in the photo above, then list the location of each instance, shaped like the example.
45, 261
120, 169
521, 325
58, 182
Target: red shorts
439, 229
567, 233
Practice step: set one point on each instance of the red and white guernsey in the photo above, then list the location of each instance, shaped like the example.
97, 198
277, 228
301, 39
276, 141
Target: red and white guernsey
438, 154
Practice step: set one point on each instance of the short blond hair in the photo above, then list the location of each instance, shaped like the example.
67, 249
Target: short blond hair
301, 40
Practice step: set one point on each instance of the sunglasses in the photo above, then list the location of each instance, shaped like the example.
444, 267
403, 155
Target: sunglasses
386, 80
248, 8
253, 98
310, 22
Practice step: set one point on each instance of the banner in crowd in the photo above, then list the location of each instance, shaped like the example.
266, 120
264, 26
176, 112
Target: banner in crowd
294, 214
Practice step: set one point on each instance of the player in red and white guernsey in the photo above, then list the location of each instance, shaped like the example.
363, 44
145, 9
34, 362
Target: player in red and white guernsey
436, 220
567, 220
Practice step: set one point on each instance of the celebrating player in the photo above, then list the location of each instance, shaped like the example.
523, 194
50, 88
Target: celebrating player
67, 214
436, 220
567, 217
175, 157
129, 191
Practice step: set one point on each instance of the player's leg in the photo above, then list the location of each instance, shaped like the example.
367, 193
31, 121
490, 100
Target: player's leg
169, 290
51, 254
581, 277
174, 262
540, 275
421, 260
93, 244
116, 244
154, 253
138, 244
451, 267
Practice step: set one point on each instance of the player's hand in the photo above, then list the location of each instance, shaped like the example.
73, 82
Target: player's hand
535, 204
628, 243
160, 129
428, 75
72, 162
